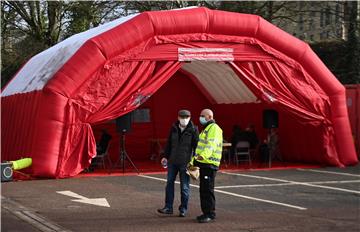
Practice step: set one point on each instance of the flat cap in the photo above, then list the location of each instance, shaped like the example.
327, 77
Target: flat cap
184, 113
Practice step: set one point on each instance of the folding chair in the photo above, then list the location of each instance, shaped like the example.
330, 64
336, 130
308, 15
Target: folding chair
100, 158
242, 152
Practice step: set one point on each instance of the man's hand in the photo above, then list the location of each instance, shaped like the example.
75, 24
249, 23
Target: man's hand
199, 157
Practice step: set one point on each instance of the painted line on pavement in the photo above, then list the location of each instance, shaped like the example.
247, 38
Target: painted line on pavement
293, 182
252, 185
285, 184
335, 182
329, 172
28, 216
234, 194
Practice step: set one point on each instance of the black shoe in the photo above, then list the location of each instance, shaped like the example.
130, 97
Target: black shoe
165, 211
212, 216
205, 219
182, 214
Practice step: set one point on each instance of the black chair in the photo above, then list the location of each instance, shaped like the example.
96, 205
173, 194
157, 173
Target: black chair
242, 152
101, 156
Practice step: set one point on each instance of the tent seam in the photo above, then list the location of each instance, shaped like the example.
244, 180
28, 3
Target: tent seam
148, 15
207, 30
257, 26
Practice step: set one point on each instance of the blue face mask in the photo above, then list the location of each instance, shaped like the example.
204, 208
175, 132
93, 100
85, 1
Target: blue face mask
202, 120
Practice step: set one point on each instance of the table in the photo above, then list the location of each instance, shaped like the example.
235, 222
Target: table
226, 153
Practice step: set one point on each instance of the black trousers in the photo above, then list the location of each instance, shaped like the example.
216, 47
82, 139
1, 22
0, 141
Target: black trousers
264, 152
207, 194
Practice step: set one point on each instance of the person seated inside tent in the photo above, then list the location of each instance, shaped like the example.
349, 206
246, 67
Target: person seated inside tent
251, 136
248, 135
270, 148
104, 142
101, 146
237, 135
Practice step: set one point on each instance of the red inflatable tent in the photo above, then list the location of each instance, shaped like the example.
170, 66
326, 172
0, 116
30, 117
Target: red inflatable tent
108, 71
353, 105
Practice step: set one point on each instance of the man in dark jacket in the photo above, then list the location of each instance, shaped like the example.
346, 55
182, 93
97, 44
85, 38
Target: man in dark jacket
180, 147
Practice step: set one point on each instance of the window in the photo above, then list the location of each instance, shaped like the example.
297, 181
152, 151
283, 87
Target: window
141, 115
328, 16
322, 18
311, 23
339, 31
301, 23
322, 35
337, 13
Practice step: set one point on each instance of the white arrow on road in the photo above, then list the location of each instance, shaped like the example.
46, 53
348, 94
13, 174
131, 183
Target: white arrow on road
94, 201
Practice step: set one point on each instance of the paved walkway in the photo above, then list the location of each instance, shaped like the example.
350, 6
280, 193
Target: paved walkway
326, 199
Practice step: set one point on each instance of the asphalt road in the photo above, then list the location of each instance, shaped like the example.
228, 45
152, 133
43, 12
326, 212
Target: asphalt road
326, 199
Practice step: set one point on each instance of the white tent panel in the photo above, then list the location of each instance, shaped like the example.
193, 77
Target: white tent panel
220, 82
40, 68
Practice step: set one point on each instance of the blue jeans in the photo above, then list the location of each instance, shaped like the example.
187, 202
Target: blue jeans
173, 170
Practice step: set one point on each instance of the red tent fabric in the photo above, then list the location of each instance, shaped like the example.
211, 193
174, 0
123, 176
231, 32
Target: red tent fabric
353, 105
49, 105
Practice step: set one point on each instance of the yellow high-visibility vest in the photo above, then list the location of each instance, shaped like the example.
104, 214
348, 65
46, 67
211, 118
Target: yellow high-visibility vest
210, 145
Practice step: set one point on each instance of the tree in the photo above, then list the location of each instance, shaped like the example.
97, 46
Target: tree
342, 55
43, 24
27, 22
40, 20
352, 59
84, 15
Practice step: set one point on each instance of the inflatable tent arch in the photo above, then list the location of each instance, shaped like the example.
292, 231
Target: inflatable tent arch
109, 71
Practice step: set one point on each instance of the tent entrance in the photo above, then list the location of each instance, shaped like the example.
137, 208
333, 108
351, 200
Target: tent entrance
204, 84
123, 86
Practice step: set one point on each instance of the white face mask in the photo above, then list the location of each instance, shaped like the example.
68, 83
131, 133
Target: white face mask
184, 121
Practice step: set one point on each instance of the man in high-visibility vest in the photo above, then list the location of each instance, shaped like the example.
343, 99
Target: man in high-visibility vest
207, 158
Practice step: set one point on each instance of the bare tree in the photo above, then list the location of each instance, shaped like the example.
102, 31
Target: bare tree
38, 19
352, 59
44, 23
84, 15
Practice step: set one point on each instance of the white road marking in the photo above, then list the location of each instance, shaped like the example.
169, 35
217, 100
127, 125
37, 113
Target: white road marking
234, 194
329, 172
284, 184
294, 182
94, 201
156, 178
335, 182
252, 185
259, 199
38, 221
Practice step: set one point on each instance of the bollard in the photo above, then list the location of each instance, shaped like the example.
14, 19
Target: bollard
21, 163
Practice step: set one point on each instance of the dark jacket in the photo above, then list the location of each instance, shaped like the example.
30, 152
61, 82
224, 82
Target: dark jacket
249, 136
181, 146
252, 138
103, 143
